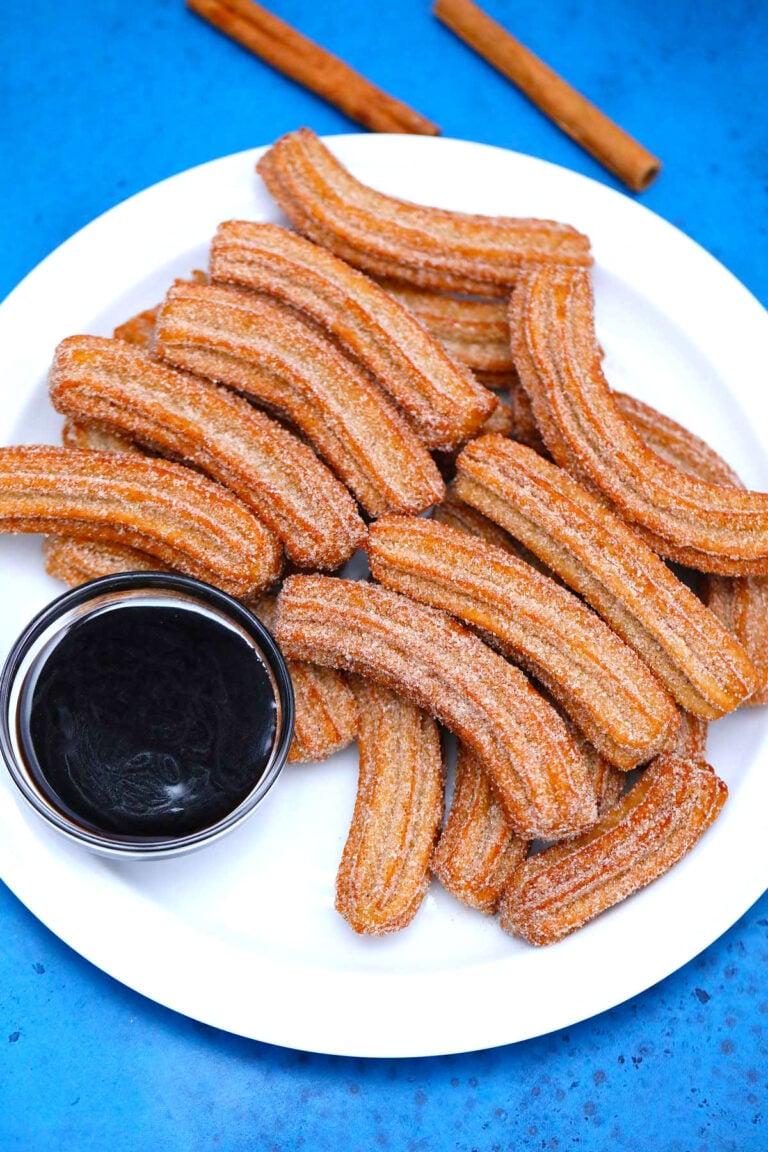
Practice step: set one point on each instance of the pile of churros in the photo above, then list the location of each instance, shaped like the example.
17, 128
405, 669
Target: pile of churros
318, 390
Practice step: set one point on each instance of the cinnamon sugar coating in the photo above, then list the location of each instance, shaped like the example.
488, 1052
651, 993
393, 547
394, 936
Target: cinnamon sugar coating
473, 331
432, 660
704, 668
77, 560
443, 401
384, 871
477, 851
603, 685
181, 518
704, 525
428, 247
266, 350
326, 712
127, 392
658, 821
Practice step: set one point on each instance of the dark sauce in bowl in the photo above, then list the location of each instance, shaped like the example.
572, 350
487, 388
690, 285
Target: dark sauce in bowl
150, 721
145, 714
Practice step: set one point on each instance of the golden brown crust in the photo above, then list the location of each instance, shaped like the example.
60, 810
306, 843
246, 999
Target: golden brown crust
477, 851
704, 525
139, 329
690, 741
603, 685
265, 349
436, 663
174, 514
741, 604
658, 821
126, 391
84, 434
597, 555
77, 560
443, 401
473, 331
326, 713
384, 871
428, 247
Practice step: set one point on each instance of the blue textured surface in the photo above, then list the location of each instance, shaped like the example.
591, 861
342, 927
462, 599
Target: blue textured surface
102, 99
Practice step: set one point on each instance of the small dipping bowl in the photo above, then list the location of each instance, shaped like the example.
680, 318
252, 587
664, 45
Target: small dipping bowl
145, 715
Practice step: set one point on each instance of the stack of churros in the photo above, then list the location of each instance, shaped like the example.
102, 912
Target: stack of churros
323, 387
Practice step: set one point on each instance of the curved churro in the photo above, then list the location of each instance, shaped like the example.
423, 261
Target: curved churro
703, 525
644, 835
126, 391
325, 714
266, 350
384, 871
171, 512
606, 689
594, 552
435, 662
474, 332
739, 602
477, 851
443, 401
690, 742
428, 247
77, 560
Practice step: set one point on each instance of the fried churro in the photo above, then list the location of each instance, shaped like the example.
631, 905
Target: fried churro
704, 668
443, 401
265, 349
435, 662
477, 851
77, 560
384, 871
427, 247
703, 525
176, 515
605, 688
658, 821
127, 392
83, 434
475, 332
326, 713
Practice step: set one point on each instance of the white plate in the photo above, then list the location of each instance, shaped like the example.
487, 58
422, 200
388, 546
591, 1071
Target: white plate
243, 935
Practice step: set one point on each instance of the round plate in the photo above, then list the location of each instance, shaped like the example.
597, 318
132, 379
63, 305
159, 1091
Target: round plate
243, 935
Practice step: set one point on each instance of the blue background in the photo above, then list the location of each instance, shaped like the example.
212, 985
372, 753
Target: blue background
99, 100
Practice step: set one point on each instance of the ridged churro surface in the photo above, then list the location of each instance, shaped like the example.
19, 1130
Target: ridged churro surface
421, 653
443, 400
265, 349
599, 556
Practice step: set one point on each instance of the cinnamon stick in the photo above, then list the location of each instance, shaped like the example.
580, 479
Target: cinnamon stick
307, 63
615, 149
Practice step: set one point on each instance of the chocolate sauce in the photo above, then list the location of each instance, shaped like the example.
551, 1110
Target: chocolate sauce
150, 720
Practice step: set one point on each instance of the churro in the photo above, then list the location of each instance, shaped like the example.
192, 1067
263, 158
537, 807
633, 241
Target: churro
75, 560
704, 525
384, 871
436, 663
124, 390
326, 713
443, 401
477, 851
704, 668
427, 247
264, 349
176, 515
655, 824
475, 332
605, 688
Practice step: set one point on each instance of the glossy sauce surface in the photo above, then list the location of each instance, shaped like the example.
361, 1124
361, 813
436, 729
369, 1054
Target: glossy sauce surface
150, 721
